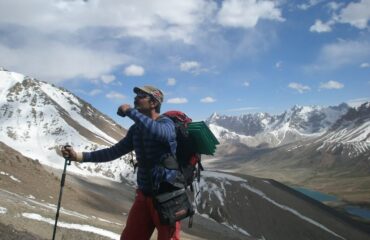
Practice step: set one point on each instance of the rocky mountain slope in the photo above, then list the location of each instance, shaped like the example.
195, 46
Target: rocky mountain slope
36, 118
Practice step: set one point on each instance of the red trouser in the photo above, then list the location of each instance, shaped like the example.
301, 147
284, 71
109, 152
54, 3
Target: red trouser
142, 220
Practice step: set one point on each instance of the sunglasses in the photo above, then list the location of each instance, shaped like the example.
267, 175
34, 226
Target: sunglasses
142, 95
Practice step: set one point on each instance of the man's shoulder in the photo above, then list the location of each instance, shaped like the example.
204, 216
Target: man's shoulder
164, 118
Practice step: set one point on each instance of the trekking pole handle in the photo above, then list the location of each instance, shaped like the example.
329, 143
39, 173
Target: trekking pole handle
67, 158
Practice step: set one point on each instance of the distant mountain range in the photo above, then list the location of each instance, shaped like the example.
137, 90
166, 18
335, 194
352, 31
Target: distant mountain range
36, 118
340, 124
300, 122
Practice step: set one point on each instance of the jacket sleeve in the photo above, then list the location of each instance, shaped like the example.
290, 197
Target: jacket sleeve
108, 154
162, 130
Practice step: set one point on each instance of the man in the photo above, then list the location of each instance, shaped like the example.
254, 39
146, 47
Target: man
152, 137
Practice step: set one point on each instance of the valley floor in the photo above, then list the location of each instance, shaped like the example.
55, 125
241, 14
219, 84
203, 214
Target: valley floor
348, 189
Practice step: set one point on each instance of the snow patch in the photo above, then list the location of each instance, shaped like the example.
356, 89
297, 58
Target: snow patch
11, 176
222, 176
80, 227
15, 179
3, 210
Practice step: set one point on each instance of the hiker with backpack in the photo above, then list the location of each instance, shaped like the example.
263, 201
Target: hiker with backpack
161, 200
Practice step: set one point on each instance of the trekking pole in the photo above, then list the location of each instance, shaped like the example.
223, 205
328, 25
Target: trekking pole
67, 161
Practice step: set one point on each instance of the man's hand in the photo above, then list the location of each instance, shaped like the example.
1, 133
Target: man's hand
123, 109
68, 152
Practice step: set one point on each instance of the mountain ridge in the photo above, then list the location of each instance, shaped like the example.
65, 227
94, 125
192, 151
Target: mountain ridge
37, 118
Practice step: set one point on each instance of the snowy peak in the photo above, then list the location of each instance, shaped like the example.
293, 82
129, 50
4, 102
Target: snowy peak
38, 117
262, 128
313, 119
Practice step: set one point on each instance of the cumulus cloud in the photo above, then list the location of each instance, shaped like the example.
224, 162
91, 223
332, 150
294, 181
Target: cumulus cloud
178, 100
356, 14
115, 95
47, 49
246, 84
146, 19
134, 70
208, 100
55, 61
299, 87
171, 82
320, 27
331, 85
108, 78
65, 26
247, 13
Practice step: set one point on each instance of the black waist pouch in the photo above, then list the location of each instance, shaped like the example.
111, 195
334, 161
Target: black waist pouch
173, 206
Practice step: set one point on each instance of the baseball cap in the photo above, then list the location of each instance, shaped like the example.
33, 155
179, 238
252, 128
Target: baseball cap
152, 91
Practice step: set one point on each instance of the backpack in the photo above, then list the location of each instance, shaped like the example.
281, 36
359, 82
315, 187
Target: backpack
188, 160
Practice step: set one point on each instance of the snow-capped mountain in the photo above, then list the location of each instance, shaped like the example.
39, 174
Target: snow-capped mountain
36, 118
343, 149
300, 122
350, 135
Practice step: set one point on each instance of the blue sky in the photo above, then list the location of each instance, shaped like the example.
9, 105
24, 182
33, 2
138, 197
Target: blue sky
230, 57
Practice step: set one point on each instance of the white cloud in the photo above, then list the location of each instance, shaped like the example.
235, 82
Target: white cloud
146, 19
356, 14
208, 100
50, 36
193, 67
341, 53
299, 87
365, 65
108, 78
134, 70
53, 61
246, 84
177, 100
189, 66
171, 82
115, 95
64, 28
331, 85
247, 13
320, 27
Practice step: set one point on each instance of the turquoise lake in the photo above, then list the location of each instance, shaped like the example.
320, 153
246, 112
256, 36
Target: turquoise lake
322, 197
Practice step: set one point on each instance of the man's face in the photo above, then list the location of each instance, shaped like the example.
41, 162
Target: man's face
143, 101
